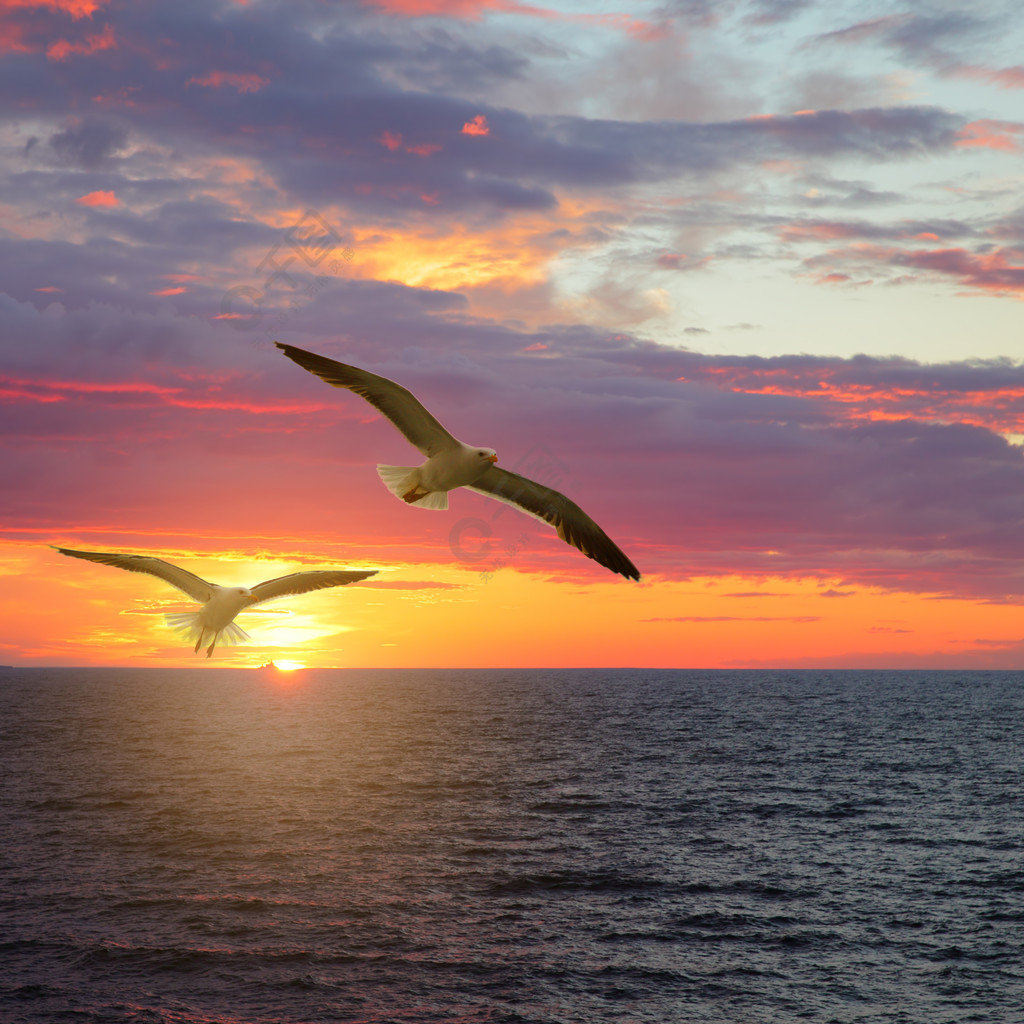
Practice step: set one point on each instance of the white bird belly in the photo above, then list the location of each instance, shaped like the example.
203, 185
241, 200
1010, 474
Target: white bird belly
451, 469
220, 610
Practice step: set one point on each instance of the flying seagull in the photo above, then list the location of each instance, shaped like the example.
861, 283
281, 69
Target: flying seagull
451, 464
220, 604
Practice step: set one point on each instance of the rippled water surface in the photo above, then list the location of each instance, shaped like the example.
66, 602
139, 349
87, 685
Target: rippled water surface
417, 846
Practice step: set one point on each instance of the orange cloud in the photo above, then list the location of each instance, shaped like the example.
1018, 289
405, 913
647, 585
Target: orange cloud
98, 199
169, 291
425, 149
242, 82
76, 8
390, 140
478, 126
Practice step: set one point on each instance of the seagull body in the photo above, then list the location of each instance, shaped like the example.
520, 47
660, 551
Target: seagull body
428, 485
452, 463
220, 605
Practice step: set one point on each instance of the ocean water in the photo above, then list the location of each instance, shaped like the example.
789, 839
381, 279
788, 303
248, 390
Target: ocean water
226, 846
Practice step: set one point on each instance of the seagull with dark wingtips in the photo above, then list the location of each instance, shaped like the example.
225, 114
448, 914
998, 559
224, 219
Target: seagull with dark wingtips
451, 464
220, 605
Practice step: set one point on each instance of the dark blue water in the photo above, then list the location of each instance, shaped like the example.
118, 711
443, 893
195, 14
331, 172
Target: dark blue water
194, 847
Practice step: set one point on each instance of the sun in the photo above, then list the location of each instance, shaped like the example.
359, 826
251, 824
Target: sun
290, 666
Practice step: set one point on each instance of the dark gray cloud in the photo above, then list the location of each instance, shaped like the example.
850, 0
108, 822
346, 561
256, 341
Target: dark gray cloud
88, 143
317, 98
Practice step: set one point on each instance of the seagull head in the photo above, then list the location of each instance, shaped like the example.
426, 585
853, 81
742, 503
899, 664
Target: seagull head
242, 591
487, 454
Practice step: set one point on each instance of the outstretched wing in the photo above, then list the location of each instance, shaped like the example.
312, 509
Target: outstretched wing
303, 582
574, 526
400, 406
196, 588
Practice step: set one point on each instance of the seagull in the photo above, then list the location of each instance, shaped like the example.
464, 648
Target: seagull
451, 464
220, 604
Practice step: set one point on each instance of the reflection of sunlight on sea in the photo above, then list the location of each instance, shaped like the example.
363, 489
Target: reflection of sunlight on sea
508, 845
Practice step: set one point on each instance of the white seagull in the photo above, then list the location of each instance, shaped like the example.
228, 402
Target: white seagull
451, 464
220, 604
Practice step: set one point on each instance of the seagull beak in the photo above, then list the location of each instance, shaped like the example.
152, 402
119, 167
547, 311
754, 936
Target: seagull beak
492, 458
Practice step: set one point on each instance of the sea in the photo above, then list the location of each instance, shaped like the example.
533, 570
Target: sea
234, 846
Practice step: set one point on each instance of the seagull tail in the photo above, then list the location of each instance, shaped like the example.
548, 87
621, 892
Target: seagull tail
399, 480
233, 634
188, 626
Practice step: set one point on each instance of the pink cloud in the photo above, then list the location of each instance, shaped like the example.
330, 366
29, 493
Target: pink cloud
1005, 78
474, 10
62, 49
76, 8
98, 199
819, 231
988, 134
242, 82
478, 126
1000, 271
864, 30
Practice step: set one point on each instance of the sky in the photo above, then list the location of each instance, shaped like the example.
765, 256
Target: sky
743, 279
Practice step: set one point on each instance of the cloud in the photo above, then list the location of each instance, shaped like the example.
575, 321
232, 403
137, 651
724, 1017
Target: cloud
989, 269
212, 129
478, 126
98, 198
781, 466
988, 134
89, 142
62, 48
737, 618
242, 82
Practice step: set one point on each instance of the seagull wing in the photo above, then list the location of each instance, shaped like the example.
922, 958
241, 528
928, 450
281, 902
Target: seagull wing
196, 588
303, 582
400, 406
574, 526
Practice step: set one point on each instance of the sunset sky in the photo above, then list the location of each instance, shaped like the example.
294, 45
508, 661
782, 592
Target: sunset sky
743, 279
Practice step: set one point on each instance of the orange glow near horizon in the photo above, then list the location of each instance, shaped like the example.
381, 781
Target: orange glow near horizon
62, 612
